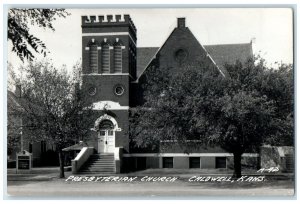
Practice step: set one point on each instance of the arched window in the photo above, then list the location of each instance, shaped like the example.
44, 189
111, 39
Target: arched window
105, 55
118, 56
106, 121
94, 58
106, 125
93, 55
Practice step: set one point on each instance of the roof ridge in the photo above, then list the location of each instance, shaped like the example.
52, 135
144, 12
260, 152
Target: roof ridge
229, 44
147, 47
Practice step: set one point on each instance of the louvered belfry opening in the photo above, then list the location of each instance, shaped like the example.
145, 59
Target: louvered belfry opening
118, 58
93, 58
105, 58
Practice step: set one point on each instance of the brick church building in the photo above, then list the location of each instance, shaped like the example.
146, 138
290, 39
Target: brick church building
112, 69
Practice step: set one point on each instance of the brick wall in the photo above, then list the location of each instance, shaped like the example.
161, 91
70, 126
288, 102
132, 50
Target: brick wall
105, 85
182, 49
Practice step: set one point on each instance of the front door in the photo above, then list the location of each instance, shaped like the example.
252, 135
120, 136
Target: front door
106, 141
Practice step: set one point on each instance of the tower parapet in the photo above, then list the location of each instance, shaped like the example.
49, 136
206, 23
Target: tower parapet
108, 20
109, 45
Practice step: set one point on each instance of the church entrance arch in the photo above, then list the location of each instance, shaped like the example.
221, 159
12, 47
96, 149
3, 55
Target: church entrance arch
106, 127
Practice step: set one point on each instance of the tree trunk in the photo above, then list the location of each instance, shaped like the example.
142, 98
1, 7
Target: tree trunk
237, 158
61, 164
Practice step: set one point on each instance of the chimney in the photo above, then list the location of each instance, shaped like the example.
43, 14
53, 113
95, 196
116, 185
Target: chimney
18, 91
180, 22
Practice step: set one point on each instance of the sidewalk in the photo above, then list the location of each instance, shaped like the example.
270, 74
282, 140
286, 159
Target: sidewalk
35, 174
40, 170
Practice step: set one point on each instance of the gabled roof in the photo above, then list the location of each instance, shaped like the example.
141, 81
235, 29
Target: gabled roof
13, 102
230, 53
144, 56
18, 105
221, 54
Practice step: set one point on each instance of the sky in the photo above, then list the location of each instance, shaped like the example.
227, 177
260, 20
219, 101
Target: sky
271, 29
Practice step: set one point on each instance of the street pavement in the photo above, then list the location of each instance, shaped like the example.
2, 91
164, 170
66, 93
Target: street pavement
183, 186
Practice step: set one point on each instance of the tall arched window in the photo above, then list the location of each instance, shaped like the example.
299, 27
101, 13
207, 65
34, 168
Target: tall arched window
105, 55
93, 55
93, 58
118, 56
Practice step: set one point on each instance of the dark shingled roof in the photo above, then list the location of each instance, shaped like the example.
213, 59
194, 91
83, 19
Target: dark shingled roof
13, 102
144, 56
17, 105
229, 53
221, 54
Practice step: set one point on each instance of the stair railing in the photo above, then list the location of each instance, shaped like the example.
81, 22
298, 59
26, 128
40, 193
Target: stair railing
118, 154
81, 158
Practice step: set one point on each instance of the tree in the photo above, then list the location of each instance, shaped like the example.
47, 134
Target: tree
238, 112
19, 23
13, 134
278, 85
13, 117
55, 111
172, 102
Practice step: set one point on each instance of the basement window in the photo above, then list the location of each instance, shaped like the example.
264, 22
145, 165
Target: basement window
167, 162
220, 162
194, 162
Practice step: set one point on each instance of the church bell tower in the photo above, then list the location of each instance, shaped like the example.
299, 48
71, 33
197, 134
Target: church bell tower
108, 68
108, 57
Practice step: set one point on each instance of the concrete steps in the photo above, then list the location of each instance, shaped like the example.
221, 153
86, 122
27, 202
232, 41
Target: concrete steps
99, 164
